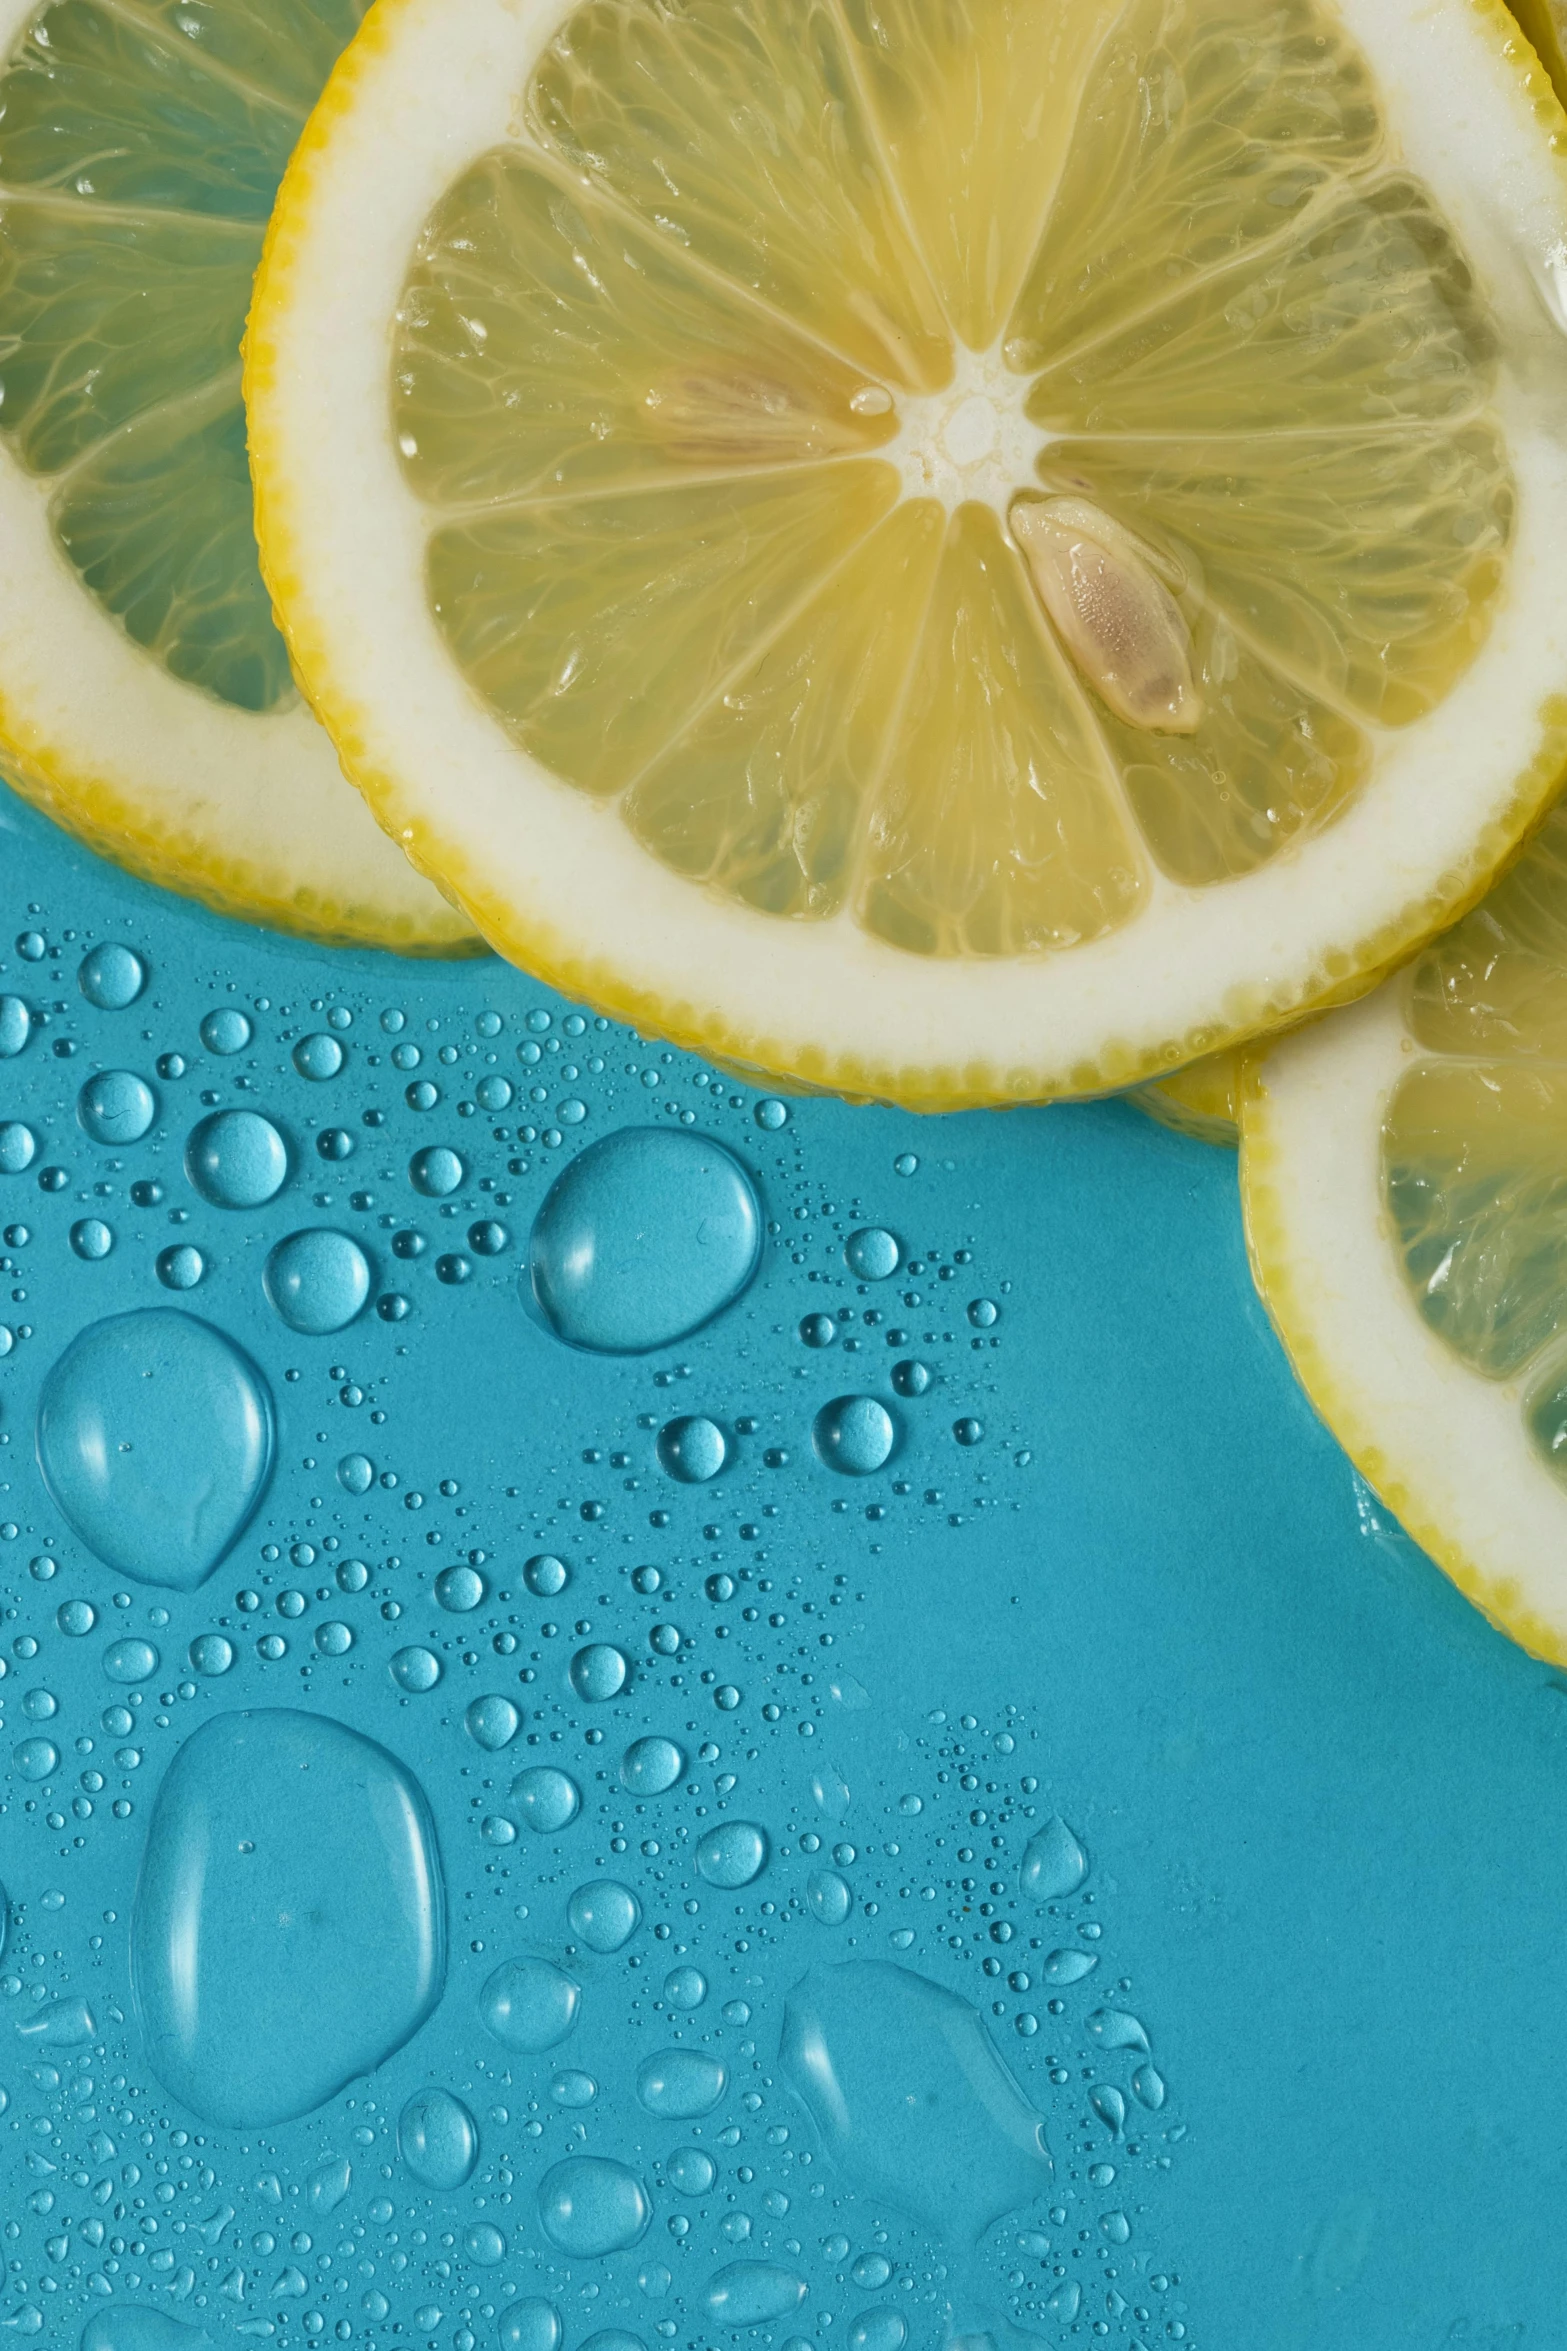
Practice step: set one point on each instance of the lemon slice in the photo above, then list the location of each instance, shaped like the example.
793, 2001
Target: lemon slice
953, 552
1202, 1100
146, 700
1404, 1165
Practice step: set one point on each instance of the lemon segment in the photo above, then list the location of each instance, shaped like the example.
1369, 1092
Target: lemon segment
1405, 1170
146, 697
1215, 344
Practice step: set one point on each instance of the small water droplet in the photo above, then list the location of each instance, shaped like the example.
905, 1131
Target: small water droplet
818, 1330
111, 976
226, 1030
771, 1115
590, 2205
872, 1254
415, 1669
333, 1639
319, 1057
546, 1576
531, 2325
692, 1449
1054, 1863
599, 1672
436, 1171
16, 1026
1114, 2028
236, 1159
854, 1435
211, 1653
753, 2294
181, 1267
92, 1239
685, 1987
983, 1313
604, 1914
644, 1238
356, 1473
130, 1660
460, 1589
906, 1163
968, 1431
732, 1854
438, 2140
492, 1722
545, 1798
911, 1378
155, 1438
317, 1281
651, 1767
529, 2004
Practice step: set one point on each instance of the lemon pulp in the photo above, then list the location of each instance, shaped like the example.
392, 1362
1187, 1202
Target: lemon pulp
719, 381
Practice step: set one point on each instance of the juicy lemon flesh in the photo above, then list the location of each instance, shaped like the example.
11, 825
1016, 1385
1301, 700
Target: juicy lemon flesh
718, 382
141, 144
1474, 1138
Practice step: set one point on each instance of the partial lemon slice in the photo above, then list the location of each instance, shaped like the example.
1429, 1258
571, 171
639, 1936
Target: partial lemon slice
953, 552
1404, 1165
145, 694
1202, 1100
1545, 22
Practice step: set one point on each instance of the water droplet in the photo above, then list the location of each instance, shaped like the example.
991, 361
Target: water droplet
613, 2339
529, 2004
872, 1253
983, 1313
236, 1159
356, 1473
1054, 1863
459, 1589
155, 1439
131, 2326
968, 1431
225, 1031
546, 1576
645, 1237
771, 1115
436, 1171
16, 1026
854, 1434
91, 1238
906, 1163
545, 1798
329, 2184
76, 1617
319, 1057
818, 1330
492, 1723
600, 1671
1066, 2301
752, 2294
830, 1897
572, 2088
830, 1791
1113, 2028
651, 1767
416, 1670
438, 2140
333, 1639
871, 2270
732, 1854
115, 1106
604, 1914
1068, 1967
878, 2330
589, 2205
484, 2244
111, 976
1148, 2087
131, 1660
211, 1653
1110, 2107
181, 1267
685, 1987
692, 1449
317, 1281
530, 2326
18, 1143
35, 1759
248, 1893
914, 2106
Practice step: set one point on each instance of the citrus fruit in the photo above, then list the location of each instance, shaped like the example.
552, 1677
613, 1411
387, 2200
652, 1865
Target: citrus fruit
1199, 1100
1545, 22
146, 700
957, 552
1404, 1166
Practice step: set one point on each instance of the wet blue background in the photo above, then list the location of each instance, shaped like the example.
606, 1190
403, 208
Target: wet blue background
1322, 1797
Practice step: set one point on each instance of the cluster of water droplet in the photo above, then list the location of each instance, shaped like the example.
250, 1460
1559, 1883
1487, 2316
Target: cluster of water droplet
514, 1824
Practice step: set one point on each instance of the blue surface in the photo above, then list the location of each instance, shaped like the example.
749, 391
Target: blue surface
1320, 1798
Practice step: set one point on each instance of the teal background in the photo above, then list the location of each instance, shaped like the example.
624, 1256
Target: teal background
1321, 1795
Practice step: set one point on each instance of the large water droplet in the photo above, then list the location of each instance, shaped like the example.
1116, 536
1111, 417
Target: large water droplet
59, 2024
436, 1171
226, 1030
546, 1576
530, 2004
679, 2084
1068, 1967
752, 2294
131, 2326
491, 1722
155, 1439
685, 1987
317, 1281
692, 1449
589, 2205
236, 1159
872, 1253
545, 1798
651, 1767
599, 1672
18, 1143
329, 2184
732, 1854
319, 1057
438, 2139
1054, 1863
691, 2170
878, 2330
604, 1914
1148, 2087
914, 2106
111, 976
16, 1026
414, 1670
484, 2244
92, 1239
854, 1434
1114, 2028
130, 1660
644, 1238
457, 1589
829, 1897
289, 1929
35, 1759
530, 2326
211, 1653
116, 1106
831, 1791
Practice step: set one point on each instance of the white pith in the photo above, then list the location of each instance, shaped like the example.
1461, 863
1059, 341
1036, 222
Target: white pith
1447, 1448
970, 441
248, 808
538, 861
